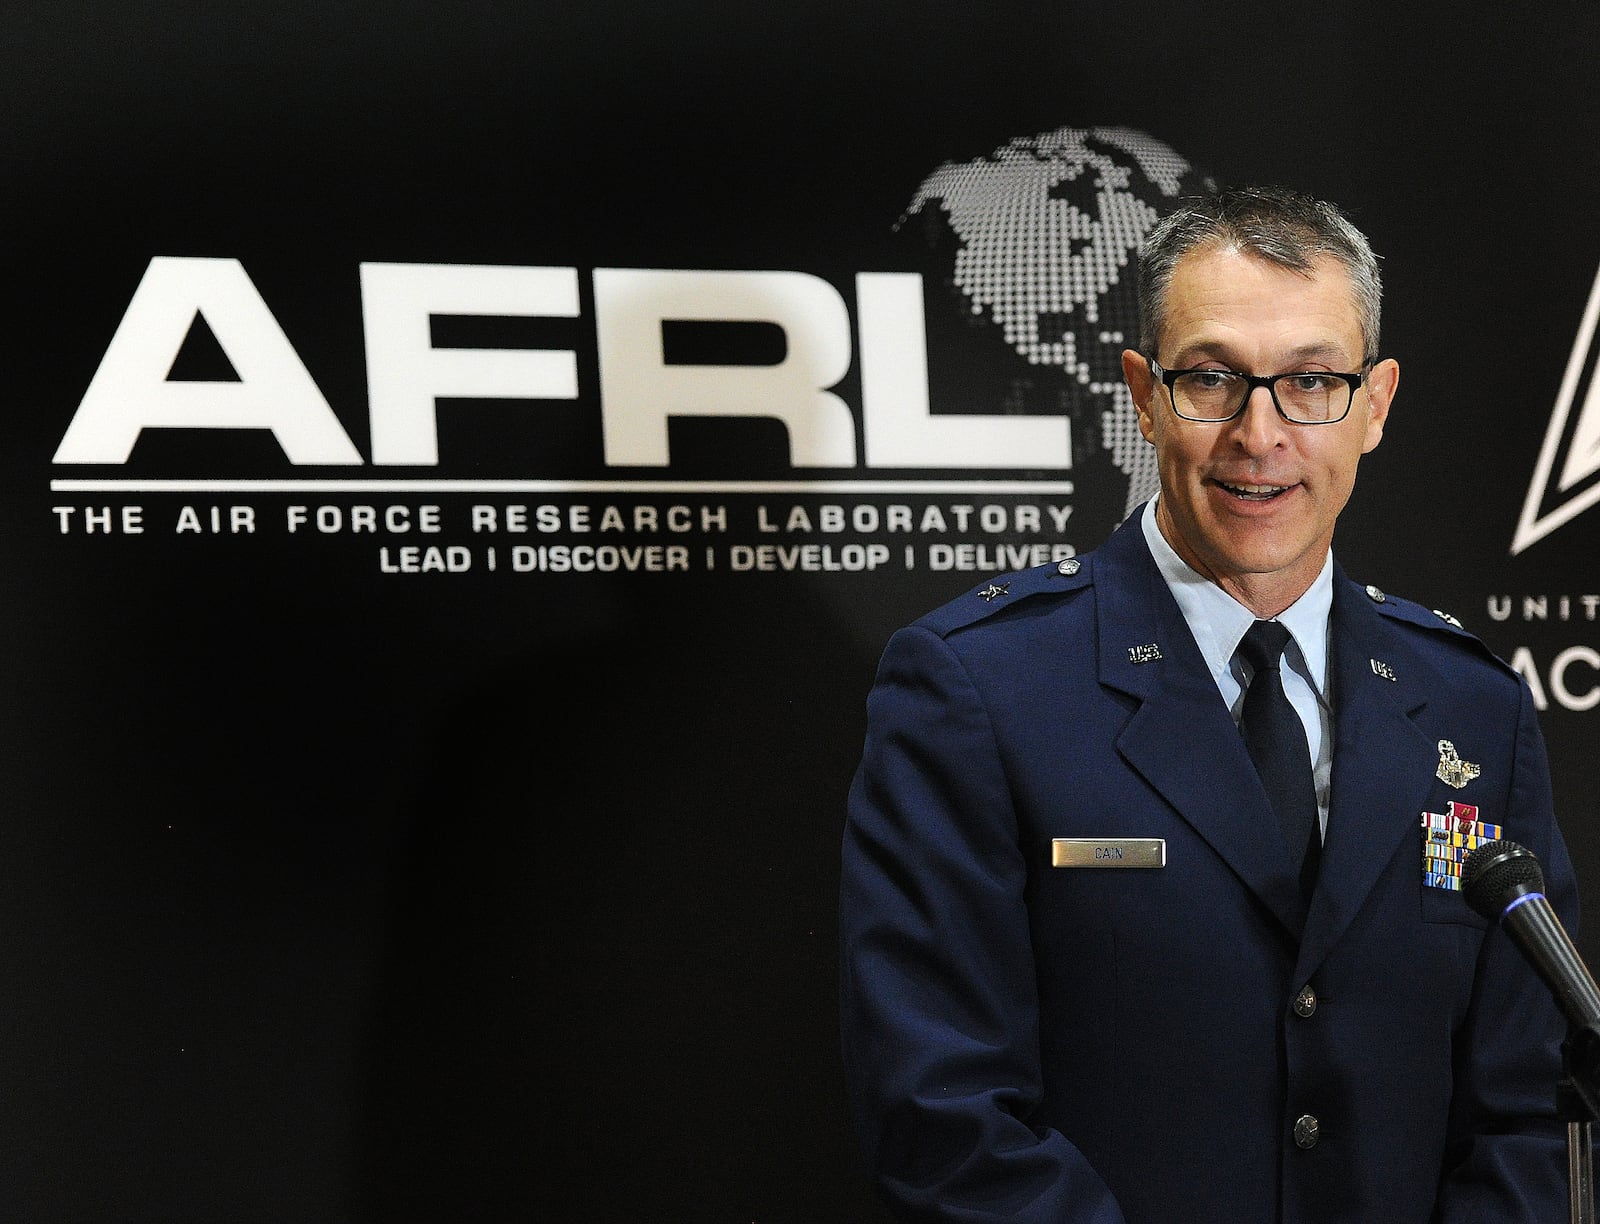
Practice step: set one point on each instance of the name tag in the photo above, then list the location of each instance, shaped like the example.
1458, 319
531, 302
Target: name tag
1108, 852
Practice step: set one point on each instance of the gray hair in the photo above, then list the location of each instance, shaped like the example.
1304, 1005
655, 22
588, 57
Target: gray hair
1272, 223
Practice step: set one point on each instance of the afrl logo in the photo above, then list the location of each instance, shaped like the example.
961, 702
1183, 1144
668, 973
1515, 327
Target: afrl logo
640, 387
994, 346
1571, 452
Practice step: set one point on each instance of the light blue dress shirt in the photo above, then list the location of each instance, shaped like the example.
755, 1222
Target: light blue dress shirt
1218, 622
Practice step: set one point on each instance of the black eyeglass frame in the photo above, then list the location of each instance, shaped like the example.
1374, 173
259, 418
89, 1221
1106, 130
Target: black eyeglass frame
1252, 381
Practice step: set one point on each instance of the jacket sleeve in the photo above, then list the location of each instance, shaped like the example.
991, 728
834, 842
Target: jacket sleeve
1507, 1157
939, 1009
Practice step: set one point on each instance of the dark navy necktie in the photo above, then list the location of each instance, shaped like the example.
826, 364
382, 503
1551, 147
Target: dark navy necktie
1276, 740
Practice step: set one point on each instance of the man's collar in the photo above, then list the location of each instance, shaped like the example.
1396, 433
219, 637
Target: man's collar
1218, 621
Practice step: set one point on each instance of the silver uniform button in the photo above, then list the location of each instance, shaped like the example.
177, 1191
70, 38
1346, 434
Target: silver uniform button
1069, 567
1305, 1003
1306, 1131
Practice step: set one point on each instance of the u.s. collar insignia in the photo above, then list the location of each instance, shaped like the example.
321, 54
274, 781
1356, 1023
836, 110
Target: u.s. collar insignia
1382, 669
993, 591
1453, 771
1148, 653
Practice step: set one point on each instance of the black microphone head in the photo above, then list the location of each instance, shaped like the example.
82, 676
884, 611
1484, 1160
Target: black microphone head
1496, 873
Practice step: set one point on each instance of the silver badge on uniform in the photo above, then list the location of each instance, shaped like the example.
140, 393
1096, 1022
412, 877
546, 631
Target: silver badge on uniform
1453, 771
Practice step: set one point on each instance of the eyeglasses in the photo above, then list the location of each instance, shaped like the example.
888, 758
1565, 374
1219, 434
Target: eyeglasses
1303, 397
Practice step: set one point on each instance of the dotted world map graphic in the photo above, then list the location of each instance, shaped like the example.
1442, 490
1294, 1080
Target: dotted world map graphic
1034, 244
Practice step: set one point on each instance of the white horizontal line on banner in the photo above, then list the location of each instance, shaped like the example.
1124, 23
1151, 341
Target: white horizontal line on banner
1029, 487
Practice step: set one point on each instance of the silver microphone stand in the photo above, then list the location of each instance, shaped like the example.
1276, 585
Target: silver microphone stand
1573, 1103
1580, 1172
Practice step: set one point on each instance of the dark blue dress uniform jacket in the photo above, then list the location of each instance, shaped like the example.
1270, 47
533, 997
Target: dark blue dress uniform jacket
1033, 1043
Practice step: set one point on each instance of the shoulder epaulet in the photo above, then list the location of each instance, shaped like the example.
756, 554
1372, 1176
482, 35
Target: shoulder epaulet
1408, 610
1433, 619
996, 595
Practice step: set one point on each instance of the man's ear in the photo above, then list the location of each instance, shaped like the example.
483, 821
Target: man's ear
1141, 382
1381, 385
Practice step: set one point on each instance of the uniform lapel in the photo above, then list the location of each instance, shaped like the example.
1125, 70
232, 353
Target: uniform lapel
1181, 738
1383, 765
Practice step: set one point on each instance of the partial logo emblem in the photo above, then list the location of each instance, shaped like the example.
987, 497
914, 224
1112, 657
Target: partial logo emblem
1564, 481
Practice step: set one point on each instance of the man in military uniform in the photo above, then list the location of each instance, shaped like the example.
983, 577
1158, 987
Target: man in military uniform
1129, 936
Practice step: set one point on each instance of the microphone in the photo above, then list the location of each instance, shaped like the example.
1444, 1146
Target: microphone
1502, 881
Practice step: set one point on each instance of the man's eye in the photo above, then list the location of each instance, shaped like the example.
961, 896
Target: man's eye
1311, 381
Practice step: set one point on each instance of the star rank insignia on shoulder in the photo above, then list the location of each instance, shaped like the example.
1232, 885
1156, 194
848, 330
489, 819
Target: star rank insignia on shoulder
998, 595
1415, 613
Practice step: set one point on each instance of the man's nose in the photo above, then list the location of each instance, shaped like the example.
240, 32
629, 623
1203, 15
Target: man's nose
1260, 427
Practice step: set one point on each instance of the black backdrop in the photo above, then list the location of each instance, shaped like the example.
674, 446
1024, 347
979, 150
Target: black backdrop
332, 892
